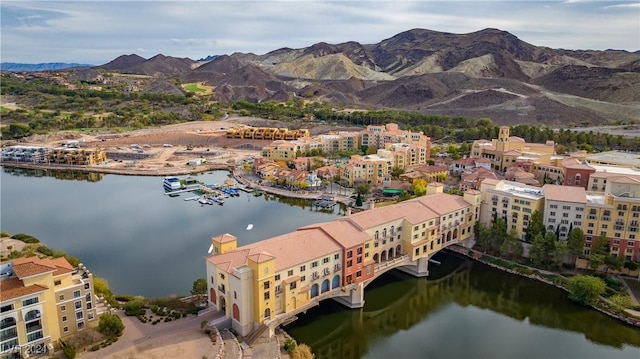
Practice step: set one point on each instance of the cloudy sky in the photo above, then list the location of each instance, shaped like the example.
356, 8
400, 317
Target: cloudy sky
96, 32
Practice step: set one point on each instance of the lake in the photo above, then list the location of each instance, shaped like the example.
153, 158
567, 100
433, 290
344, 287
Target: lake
126, 230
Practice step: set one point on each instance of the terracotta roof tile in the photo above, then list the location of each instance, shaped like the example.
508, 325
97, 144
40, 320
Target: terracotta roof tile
13, 288
573, 194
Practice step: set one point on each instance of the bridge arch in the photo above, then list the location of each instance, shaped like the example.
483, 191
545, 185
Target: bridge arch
314, 290
325, 286
376, 258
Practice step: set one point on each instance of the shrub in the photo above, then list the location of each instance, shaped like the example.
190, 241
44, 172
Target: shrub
302, 351
45, 250
290, 345
613, 283
134, 307
25, 238
69, 351
110, 325
203, 324
95, 347
620, 302
585, 289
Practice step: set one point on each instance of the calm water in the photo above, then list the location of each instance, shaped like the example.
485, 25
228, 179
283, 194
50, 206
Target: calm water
124, 229
474, 312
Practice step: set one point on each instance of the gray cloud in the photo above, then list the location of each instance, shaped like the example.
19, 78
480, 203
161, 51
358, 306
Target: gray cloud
98, 31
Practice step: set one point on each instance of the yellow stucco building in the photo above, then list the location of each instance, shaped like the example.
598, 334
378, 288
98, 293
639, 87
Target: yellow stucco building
42, 301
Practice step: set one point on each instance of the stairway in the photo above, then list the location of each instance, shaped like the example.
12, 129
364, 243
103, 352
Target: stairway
257, 333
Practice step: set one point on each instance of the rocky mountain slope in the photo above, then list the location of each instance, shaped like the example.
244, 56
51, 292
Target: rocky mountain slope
488, 73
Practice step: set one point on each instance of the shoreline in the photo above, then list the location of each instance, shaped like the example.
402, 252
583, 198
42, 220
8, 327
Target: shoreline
466, 252
170, 171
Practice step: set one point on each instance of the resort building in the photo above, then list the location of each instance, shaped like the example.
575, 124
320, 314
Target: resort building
380, 135
564, 208
266, 283
406, 154
468, 163
515, 202
471, 179
266, 133
42, 301
506, 150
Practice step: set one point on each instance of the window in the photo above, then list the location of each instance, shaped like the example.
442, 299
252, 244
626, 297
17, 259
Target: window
290, 273
266, 296
336, 256
57, 282
349, 254
6, 308
277, 277
80, 325
79, 315
359, 260
349, 263
87, 297
303, 278
65, 329
64, 318
326, 259
302, 268
314, 264
266, 285
359, 274
77, 305
61, 297
86, 286
29, 301
76, 294
63, 308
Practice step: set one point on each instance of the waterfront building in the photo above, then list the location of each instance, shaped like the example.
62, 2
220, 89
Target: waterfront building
267, 282
76, 156
43, 301
515, 202
615, 213
426, 172
32, 154
506, 150
564, 208
365, 169
380, 135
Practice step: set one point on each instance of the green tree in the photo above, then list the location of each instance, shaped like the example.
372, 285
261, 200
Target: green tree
585, 289
483, 235
199, 287
560, 251
396, 172
536, 226
371, 150
364, 189
511, 244
498, 233
110, 325
575, 243
615, 263
536, 252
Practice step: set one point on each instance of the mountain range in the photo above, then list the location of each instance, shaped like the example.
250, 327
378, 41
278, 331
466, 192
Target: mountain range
488, 73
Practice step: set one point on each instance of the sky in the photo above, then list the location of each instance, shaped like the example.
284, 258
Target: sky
96, 32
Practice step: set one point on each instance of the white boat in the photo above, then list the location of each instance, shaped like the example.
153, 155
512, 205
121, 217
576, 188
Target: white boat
249, 226
210, 249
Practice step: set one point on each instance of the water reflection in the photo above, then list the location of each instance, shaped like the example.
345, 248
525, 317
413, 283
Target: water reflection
57, 174
398, 303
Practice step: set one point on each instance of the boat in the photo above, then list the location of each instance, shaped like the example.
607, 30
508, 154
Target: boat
210, 249
204, 200
249, 226
192, 198
171, 184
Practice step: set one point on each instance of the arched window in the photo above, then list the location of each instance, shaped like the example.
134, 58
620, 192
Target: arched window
393, 230
335, 283
376, 235
384, 233
325, 286
32, 315
314, 290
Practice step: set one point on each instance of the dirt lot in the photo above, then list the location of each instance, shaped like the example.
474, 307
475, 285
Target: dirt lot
168, 149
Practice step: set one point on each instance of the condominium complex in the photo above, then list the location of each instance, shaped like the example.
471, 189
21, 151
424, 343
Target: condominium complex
42, 301
257, 283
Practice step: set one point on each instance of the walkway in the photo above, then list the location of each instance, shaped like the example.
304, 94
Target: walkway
180, 338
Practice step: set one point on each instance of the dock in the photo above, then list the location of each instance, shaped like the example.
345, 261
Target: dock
325, 202
186, 189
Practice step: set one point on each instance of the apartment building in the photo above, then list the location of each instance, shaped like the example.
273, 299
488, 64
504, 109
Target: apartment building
365, 169
280, 150
564, 208
258, 282
43, 301
515, 202
615, 213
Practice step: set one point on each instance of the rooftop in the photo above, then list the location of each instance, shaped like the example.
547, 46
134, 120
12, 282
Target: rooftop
565, 193
615, 157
